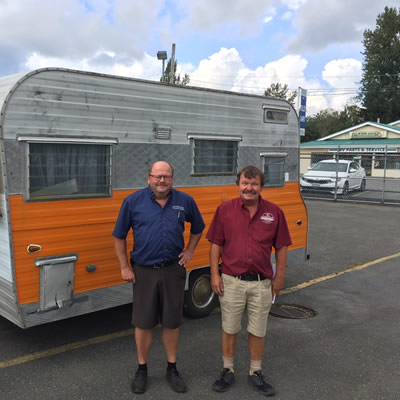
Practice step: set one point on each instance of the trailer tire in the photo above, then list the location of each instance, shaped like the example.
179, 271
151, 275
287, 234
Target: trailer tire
200, 299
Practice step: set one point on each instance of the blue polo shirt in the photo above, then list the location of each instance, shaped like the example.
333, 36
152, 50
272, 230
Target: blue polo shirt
157, 231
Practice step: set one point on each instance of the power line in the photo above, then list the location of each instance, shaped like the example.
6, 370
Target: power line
311, 92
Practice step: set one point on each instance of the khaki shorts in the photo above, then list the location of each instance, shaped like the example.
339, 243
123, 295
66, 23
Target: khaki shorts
256, 295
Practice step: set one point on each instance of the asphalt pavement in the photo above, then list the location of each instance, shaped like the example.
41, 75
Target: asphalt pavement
348, 350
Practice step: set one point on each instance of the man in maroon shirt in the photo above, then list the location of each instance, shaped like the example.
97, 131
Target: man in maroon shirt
242, 233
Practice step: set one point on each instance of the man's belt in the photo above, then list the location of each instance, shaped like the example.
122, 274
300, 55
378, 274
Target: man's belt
160, 264
251, 277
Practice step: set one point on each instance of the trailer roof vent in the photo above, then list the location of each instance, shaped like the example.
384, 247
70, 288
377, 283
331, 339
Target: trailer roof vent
162, 133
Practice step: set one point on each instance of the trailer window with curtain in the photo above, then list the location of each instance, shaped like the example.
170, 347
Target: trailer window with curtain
276, 114
273, 166
66, 170
214, 155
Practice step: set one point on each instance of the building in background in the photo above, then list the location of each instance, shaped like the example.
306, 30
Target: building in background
374, 145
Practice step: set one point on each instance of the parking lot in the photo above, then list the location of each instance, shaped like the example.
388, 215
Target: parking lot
348, 350
377, 191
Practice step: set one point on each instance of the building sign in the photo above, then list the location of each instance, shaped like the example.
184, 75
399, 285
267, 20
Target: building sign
302, 110
364, 150
369, 135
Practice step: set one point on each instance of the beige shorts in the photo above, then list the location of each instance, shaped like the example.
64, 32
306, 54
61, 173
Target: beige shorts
238, 294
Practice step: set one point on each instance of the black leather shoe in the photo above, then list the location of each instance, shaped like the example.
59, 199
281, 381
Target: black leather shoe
175, 381
139, 382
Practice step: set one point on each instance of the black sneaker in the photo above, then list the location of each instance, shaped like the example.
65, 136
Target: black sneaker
258, 380
175, 381
225, 380
139, 382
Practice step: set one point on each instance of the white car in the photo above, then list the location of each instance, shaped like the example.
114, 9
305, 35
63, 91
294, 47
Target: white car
323, 176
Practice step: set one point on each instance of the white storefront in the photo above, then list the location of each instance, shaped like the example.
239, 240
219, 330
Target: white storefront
374, 145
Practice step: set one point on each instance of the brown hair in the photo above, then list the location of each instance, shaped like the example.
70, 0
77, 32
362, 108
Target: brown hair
250, 172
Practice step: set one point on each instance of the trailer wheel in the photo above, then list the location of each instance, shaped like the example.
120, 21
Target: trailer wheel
200, 299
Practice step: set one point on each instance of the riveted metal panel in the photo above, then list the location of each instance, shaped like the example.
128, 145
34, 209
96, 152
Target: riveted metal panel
85, 104
8, 304
6, 84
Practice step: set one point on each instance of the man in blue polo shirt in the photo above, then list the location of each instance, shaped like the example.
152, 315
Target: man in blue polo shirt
157, 216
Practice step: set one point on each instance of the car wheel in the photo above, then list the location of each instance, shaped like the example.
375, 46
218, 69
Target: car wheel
200, 299
362, 185
345, 191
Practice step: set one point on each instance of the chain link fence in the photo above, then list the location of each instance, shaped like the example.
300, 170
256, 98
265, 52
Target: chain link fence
347, 176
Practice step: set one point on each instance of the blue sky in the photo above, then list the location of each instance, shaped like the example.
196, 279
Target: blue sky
240, 45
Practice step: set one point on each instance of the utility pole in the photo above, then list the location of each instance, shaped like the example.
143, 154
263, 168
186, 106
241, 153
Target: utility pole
172, 70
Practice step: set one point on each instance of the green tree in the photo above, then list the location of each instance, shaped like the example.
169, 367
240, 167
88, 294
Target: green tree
177, 80
380, 84
330, 121
277, 90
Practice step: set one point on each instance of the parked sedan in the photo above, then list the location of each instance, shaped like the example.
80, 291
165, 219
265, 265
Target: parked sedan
323, 176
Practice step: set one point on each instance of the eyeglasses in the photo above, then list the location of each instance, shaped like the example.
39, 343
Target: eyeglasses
159, 177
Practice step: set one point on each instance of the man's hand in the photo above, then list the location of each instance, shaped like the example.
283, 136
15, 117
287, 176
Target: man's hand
128, 275
217, 284
277, 285
185, 257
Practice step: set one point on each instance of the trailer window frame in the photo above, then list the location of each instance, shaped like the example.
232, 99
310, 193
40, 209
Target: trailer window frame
68, 181
216, 168
276, 114
273, 166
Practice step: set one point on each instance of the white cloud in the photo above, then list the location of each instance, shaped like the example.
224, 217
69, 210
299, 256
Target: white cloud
322, 23
343, 76
225, 70
110, 36
287, 16
218, 71
75, 30
293, 4
271, 15
209, 16
267, 19
147, 68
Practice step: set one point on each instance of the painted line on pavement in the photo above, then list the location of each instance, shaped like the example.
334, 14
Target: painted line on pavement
65, 348
336, 274
128, 332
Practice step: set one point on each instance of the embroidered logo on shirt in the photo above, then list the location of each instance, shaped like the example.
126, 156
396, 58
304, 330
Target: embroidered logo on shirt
267, 218
178, 208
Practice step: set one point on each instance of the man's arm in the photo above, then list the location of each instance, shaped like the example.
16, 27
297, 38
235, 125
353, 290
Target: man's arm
120, 250
281, 256
216, 282
187, 254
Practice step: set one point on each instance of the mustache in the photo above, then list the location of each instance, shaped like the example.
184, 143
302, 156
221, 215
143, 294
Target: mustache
249, 192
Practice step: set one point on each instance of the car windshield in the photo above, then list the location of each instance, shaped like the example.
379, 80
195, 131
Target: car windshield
331, 167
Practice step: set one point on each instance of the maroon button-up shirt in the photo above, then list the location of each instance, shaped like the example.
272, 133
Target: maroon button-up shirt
247, 242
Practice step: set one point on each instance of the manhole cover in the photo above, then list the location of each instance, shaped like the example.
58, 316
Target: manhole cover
291, 311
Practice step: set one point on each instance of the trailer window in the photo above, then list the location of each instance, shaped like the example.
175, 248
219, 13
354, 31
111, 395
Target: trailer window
275, 116
215, 157
60, 171
274, 170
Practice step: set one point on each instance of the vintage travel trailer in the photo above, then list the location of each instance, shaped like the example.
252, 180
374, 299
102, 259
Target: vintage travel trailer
74, 144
